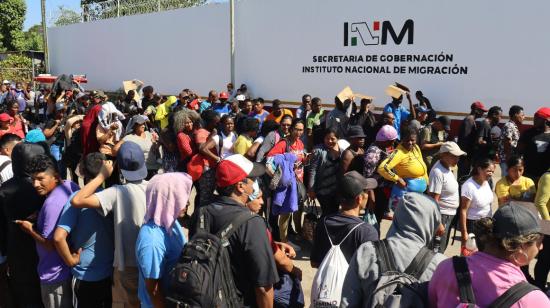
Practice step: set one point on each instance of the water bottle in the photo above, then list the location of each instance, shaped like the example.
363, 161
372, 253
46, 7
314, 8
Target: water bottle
471, 243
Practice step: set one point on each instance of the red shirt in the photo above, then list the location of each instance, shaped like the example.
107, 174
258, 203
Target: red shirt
297, 149
186, 146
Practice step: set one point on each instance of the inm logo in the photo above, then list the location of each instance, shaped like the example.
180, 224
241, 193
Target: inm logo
378, 33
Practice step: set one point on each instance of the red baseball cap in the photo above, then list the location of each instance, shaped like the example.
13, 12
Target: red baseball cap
479, 105
224, 95
4, 117
543, 113
236, 168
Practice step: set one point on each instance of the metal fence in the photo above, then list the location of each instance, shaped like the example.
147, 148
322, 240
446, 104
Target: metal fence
117, 8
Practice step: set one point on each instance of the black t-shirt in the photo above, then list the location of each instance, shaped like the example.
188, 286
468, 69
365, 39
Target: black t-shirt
484, 131
535, 144
252, 261
338, 226
18, 201
58, 137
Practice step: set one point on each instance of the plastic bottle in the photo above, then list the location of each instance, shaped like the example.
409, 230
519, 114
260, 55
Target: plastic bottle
471, 243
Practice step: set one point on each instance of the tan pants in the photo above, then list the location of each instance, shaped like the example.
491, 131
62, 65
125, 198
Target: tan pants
284, 219
125, 288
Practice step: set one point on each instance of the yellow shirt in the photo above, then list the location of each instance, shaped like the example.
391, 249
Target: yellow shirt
403, 164
542, 200
242, 145
163, 111
516, 191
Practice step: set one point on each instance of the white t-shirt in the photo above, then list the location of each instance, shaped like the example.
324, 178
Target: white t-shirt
444, 183
127, 202
481, 197
228, 141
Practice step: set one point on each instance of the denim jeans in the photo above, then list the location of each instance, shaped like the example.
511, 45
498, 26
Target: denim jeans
443, 240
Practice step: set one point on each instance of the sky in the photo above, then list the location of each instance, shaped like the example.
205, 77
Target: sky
33, 9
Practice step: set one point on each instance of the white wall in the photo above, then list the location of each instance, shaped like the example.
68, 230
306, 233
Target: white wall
170, 50
503, 43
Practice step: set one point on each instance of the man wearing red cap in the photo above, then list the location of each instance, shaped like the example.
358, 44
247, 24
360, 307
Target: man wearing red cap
467, 136
534, 145
221, 106
250, 253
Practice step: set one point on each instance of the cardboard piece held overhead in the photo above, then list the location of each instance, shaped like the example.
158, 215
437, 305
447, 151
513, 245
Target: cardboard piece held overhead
347, 93
395, 91
132, 85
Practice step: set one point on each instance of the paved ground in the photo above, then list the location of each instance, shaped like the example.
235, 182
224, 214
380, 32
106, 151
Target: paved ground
302, 258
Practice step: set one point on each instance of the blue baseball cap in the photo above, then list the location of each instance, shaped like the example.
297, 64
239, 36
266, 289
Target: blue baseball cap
35, 135
421, 108
131, 161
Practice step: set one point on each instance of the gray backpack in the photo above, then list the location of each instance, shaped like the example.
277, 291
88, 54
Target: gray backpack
400, 289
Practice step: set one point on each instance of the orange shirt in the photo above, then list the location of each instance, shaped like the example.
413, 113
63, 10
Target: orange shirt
278, 119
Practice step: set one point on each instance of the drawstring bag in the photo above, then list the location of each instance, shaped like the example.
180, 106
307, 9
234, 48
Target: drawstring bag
310, 219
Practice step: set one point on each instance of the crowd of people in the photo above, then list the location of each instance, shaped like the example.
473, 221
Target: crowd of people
95, 192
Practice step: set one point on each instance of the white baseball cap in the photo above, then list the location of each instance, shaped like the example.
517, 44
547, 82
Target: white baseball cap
6, 81
451, 147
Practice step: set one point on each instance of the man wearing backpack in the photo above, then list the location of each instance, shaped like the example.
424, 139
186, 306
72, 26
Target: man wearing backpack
336, 228
250, 254
337, 237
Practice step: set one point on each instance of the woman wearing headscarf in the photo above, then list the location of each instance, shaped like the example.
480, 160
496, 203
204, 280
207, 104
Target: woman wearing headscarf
161, 238
378, 151
414, 226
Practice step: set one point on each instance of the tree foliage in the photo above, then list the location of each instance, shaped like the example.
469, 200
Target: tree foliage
103, 9
12, 17
65, 17
33, 38
16, 67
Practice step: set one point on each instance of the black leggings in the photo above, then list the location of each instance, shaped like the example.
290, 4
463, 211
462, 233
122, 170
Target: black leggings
543, 264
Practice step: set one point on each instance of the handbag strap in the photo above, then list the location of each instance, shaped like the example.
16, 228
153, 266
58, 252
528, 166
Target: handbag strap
462, 273
513, 295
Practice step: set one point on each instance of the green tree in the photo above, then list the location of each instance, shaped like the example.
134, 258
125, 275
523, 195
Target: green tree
33, 38
16, 67
12, 17
65, 17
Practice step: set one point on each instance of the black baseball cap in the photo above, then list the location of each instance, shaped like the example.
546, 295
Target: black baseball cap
517, 219
445, 121
353, 183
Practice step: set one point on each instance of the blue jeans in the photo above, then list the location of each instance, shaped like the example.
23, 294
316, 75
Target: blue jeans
443, 240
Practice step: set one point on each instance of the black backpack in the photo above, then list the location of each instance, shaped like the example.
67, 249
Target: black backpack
466, 292
203, 277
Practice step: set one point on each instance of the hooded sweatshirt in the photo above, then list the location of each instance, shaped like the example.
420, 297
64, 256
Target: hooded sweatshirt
414, 223
18, 201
